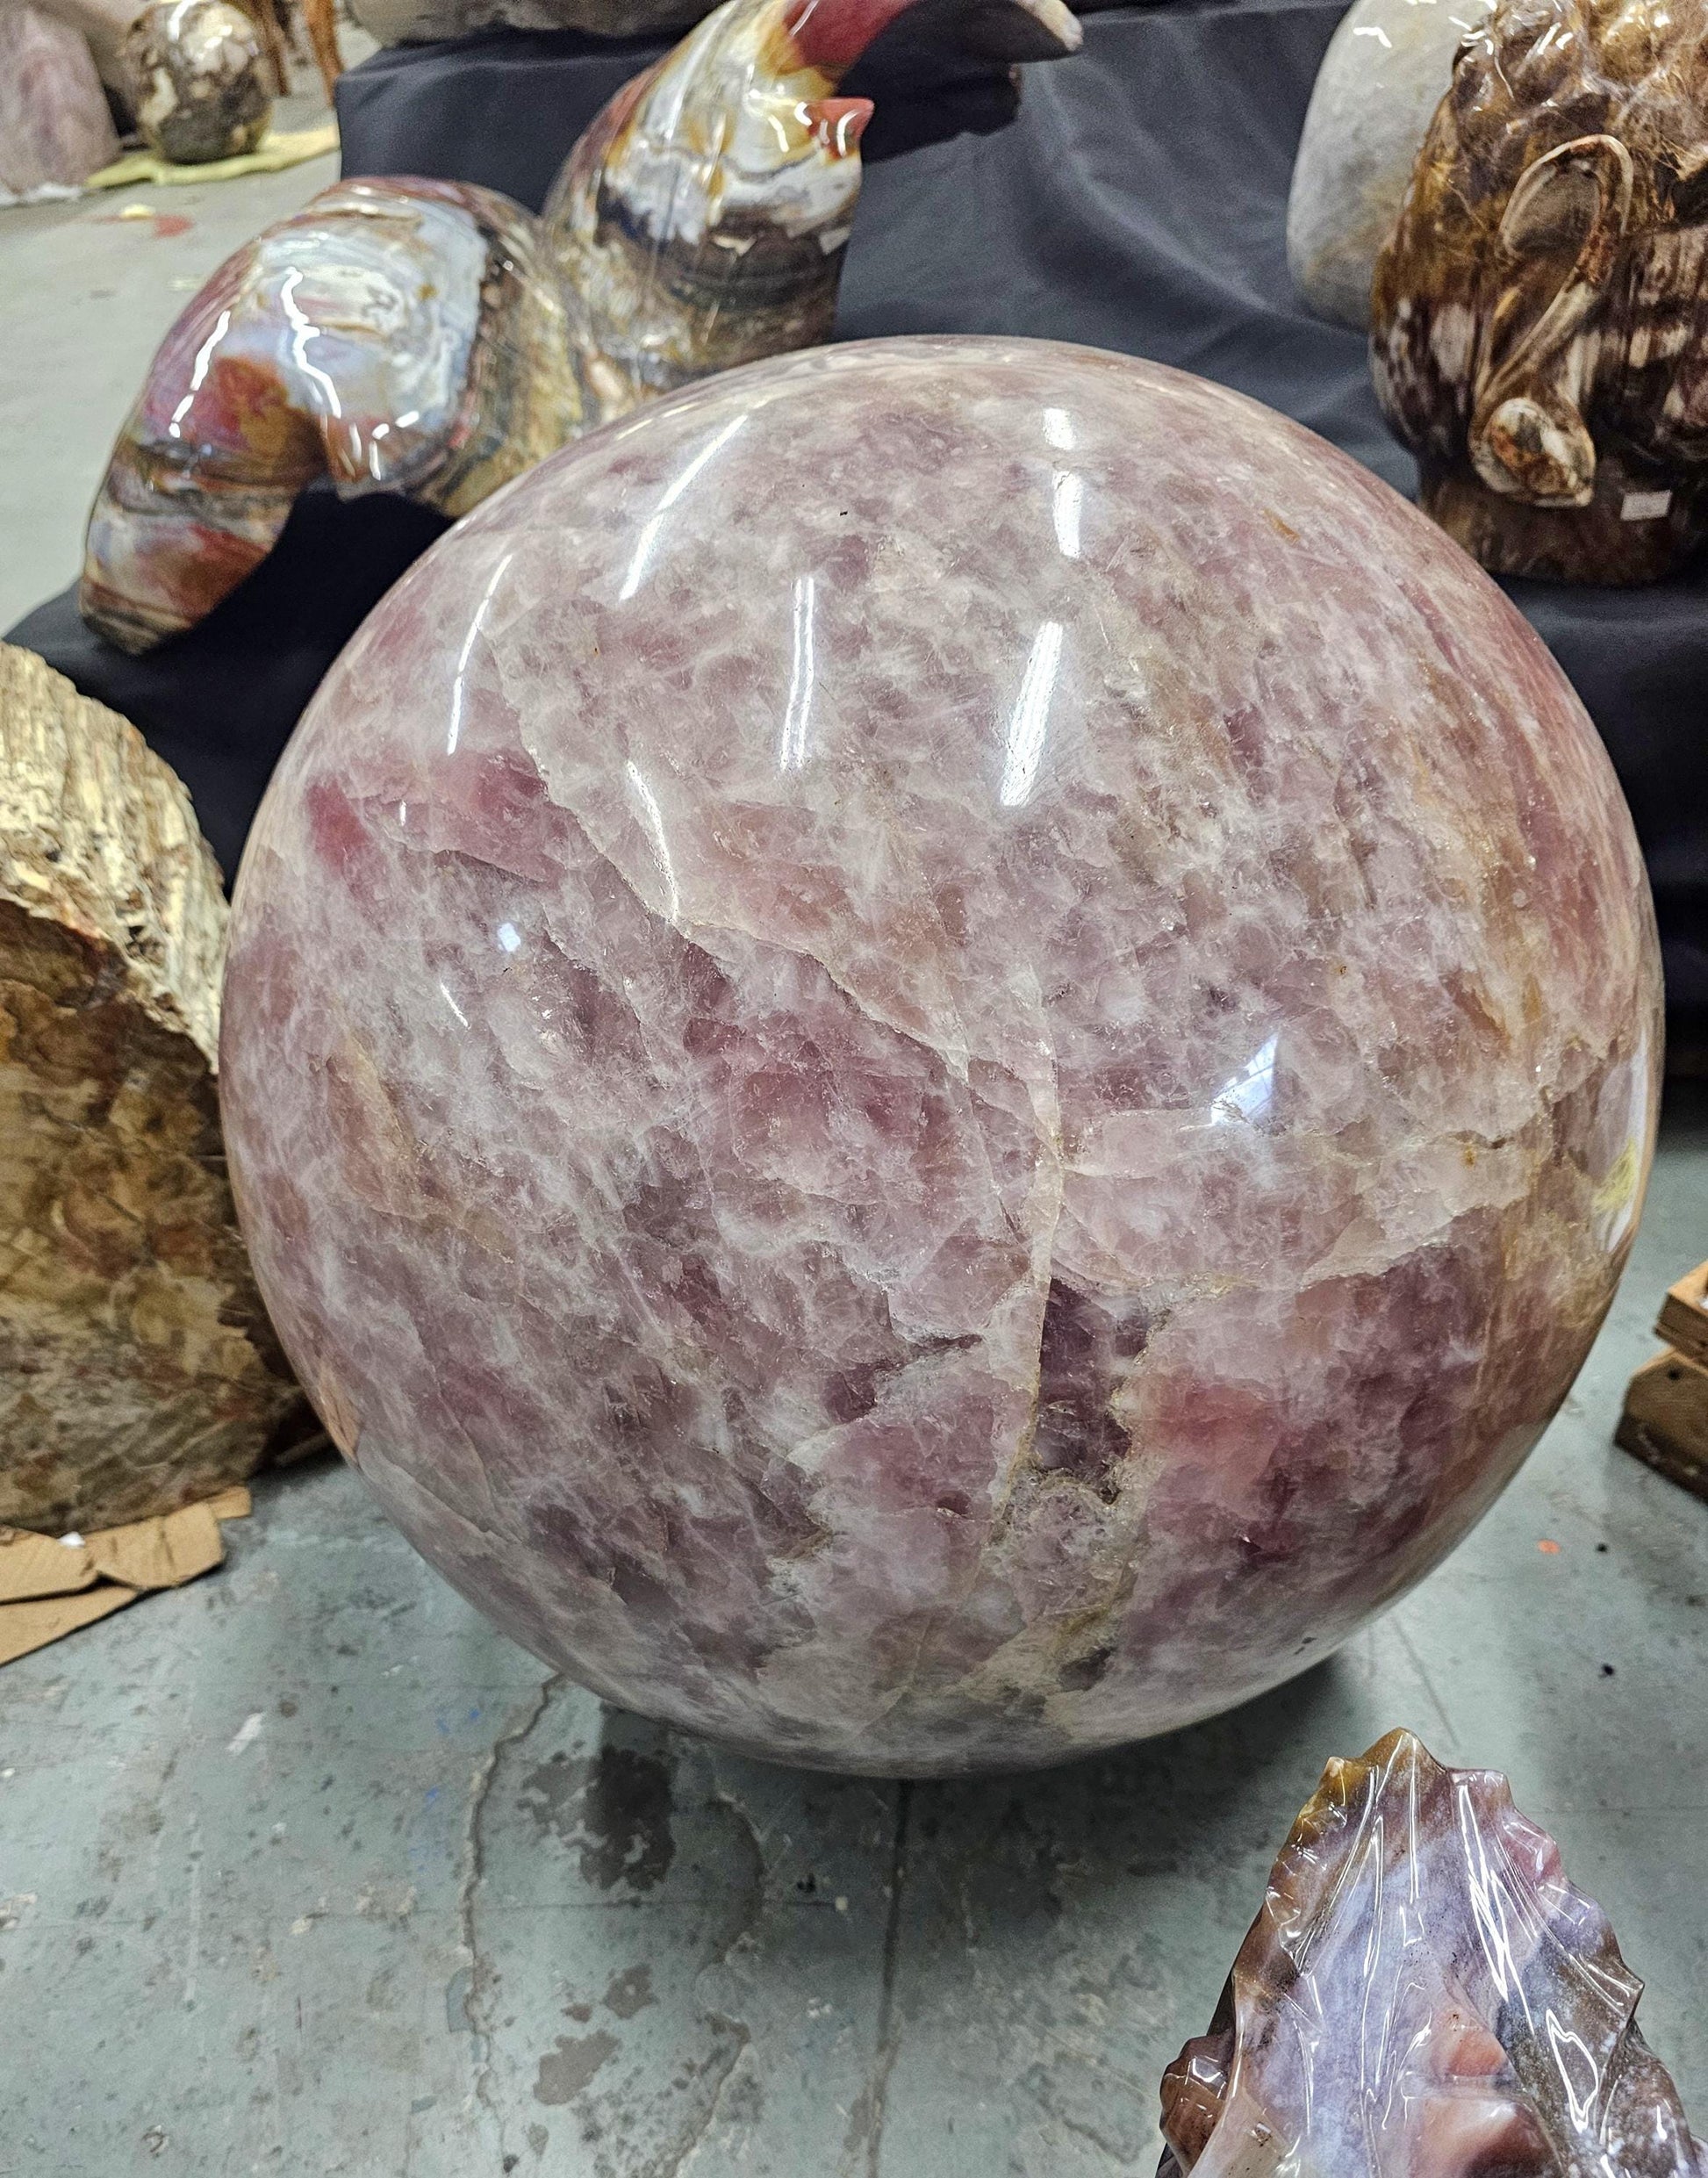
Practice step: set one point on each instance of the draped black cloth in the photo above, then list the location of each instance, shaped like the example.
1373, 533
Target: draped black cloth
1136, 200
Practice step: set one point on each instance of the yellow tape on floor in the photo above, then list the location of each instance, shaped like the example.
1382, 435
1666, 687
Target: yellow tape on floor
280, 148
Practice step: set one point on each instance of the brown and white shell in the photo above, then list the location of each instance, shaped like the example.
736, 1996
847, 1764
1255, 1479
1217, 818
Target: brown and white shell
1539, 317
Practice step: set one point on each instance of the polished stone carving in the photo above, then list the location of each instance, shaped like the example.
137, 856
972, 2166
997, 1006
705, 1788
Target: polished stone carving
1423, 1994
701, 220
1539, 327
1381, 81
391, 336
196, 71
434, 338
938, 1052
397, 21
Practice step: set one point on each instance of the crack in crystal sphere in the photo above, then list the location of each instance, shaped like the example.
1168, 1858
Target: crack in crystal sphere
938, 1055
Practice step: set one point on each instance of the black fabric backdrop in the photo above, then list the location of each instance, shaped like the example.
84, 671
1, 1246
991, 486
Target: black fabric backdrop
1136, 201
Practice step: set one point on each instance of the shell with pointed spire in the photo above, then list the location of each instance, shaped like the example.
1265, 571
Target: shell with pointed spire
701, 220
393, 335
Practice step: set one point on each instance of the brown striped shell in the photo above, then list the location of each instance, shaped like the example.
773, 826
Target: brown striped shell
1539, 317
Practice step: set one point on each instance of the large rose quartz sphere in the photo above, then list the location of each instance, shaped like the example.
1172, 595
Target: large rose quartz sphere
938, 1055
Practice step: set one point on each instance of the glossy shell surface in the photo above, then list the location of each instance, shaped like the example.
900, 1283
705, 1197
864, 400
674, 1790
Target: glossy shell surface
700, 222
938, 1054
395, 335
1539, 316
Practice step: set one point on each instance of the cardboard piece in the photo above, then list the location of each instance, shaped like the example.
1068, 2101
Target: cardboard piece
159, 1553
42, 1565
27, 1627
51, 1585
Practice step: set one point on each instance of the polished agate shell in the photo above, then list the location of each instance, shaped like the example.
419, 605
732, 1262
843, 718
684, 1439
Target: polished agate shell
1540, 314
399, 22
938, 1054
393, 335
434, 338
701, 220
1424, 1994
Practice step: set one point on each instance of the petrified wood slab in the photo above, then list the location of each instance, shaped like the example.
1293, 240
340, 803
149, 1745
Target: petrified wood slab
138, 1369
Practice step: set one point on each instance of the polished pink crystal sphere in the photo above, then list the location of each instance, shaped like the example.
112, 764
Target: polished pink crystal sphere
937, 1056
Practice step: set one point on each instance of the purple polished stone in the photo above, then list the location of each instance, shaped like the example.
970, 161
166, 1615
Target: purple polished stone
936, 1056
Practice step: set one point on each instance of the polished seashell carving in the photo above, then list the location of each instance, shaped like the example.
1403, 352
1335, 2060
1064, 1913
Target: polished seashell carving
394, 22
1423, 1994
399, 336
701, 220
436, 340
1376, 92
1539, 317
195, 69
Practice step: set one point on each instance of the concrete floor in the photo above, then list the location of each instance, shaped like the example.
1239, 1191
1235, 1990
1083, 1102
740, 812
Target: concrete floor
304, 1869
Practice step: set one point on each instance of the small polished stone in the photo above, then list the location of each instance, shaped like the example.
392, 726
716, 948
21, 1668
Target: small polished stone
938, 1054
195, 68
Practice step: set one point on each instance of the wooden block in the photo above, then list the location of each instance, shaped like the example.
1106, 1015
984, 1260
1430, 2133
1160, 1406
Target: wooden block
139, 1372
1683, 1319
1665, 1421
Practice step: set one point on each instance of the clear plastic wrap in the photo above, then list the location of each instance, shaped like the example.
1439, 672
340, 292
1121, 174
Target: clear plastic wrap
1423, 1994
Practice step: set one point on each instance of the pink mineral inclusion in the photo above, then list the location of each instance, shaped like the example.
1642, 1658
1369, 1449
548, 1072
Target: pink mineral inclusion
938, 1055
